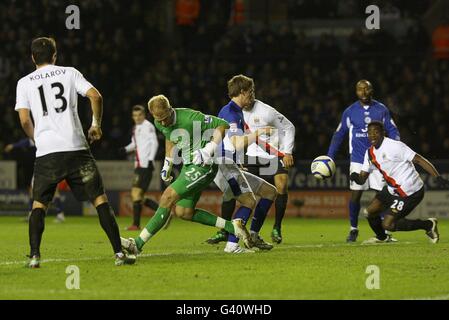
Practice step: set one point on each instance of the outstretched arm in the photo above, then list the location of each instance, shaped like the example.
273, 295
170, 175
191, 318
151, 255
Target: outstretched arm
426, 165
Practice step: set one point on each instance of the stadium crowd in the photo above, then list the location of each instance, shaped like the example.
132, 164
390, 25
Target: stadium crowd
123, 50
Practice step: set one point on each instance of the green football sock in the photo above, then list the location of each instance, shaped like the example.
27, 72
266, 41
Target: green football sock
153, 226
209, 219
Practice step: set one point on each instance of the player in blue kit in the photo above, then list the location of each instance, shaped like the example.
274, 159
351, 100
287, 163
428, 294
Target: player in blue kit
354, 121
234, 182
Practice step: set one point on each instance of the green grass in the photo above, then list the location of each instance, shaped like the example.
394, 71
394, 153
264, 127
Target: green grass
314, 262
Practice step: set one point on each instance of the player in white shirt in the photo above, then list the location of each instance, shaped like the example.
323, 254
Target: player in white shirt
144, 144
404, 189
50, 94
271, 157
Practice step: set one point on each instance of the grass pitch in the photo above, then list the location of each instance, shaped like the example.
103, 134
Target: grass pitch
314, 262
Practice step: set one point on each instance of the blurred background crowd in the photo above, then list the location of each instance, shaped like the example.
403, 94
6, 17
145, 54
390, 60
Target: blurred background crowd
305, 58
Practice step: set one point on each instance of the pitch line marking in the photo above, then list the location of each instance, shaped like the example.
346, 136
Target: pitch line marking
5, 263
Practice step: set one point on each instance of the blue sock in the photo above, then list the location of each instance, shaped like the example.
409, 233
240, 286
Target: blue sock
260, 214
242, 213
57, 204
354, 209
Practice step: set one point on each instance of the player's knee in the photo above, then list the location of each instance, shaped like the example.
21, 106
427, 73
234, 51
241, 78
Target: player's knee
168, 199
100, 200
281, 182
248, 200
184, 213
136, 194
268, 191
39, 205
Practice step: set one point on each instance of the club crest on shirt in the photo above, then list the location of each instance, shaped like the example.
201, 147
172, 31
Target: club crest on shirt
367, 120
207, 119
256, 120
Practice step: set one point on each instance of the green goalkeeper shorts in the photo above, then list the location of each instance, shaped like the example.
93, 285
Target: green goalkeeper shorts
191, 182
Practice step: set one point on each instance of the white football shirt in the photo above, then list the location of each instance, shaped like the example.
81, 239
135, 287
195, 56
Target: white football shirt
262, 115
144, 143
51, 93
394, 160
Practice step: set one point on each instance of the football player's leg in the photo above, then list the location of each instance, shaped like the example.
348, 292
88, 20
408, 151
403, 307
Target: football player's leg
281, 183
354, 203
373, 214
148, 175
86, 184
44, 185
394, 218
227, 207
232, 182
137, 197
169, 197
267, 194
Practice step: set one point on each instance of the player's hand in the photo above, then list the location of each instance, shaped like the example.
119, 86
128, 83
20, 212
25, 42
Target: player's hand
201, 157
94, 134
288, 161
166, 170
354, 177
9, 148
442, 183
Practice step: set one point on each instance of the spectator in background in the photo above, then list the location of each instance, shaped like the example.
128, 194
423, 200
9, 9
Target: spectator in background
440, 40
187, 13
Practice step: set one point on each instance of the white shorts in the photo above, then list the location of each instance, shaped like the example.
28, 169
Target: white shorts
233, 181
375, 180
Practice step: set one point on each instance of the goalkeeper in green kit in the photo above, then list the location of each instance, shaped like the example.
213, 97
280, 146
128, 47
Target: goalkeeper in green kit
197, 136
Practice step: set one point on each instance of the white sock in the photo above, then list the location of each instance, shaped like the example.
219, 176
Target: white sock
220, 223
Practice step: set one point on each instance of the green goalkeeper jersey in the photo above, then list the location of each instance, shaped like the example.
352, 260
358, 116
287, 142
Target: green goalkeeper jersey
191, 130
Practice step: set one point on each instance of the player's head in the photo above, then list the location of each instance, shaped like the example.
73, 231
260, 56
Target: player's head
241, 90
364, 91
138, 114
376, 133
43, 51
161, 110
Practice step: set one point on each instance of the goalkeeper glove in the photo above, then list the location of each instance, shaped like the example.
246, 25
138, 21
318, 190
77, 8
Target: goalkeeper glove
166, 170
204, 155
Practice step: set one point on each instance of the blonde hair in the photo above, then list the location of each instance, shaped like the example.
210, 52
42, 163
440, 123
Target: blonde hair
158, 103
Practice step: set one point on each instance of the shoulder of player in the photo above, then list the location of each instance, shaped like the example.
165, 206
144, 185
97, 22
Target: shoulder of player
351, 108
147, 123
380, 105
395, 144
262, 105
228, 114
